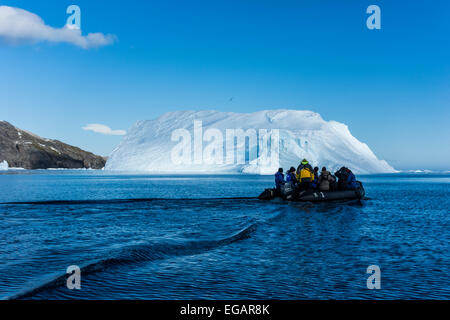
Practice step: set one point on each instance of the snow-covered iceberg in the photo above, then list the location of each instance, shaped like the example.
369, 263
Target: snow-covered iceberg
203, 142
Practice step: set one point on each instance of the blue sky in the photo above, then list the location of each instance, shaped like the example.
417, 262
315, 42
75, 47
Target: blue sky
390, 86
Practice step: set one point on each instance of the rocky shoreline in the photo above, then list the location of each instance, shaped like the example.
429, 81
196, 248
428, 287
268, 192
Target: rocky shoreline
22, 149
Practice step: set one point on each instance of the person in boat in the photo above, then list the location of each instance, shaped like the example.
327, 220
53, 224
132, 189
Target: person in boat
290, 176
305, 175
325, 180
333, 184
279, 179
316, 178
341, 175
346, 179
351, 181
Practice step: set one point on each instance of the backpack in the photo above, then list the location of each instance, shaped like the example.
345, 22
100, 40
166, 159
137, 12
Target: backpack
305, 173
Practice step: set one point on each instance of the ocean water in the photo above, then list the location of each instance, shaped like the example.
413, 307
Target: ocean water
207, 237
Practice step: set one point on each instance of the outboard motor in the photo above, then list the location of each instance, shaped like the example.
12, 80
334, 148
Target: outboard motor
287, 190
360, 192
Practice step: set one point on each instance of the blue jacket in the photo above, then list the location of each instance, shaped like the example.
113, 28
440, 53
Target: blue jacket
351, 181
279, 179
291, 177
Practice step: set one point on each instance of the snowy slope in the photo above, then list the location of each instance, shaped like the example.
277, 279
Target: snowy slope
149, 145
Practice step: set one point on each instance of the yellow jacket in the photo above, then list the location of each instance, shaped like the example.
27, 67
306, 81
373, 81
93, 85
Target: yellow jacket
305, 175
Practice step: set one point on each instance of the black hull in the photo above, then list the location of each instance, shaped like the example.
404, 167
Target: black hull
315, 196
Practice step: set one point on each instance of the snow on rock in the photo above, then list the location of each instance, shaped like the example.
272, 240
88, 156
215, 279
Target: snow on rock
150, 145
4, 165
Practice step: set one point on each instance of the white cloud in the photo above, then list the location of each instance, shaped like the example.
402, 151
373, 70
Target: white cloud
101, 128
18, 25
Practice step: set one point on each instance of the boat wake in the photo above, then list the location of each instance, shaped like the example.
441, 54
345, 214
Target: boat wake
119, 201
140, 254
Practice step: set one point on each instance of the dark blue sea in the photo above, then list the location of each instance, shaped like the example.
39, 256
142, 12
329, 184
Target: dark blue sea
207, 237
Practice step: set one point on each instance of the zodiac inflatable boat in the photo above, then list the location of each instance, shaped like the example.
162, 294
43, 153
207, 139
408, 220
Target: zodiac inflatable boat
288, 192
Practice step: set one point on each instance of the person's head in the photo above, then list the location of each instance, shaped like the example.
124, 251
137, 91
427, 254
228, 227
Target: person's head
280, 170
304, 161
316, 169
292, 169
324, 169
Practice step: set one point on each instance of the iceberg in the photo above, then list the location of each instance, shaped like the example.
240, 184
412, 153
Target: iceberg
213, 142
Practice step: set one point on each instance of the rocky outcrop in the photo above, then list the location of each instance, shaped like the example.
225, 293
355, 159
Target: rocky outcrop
22, 149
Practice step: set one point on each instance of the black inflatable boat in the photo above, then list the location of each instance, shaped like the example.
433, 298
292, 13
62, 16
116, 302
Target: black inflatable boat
288, 192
